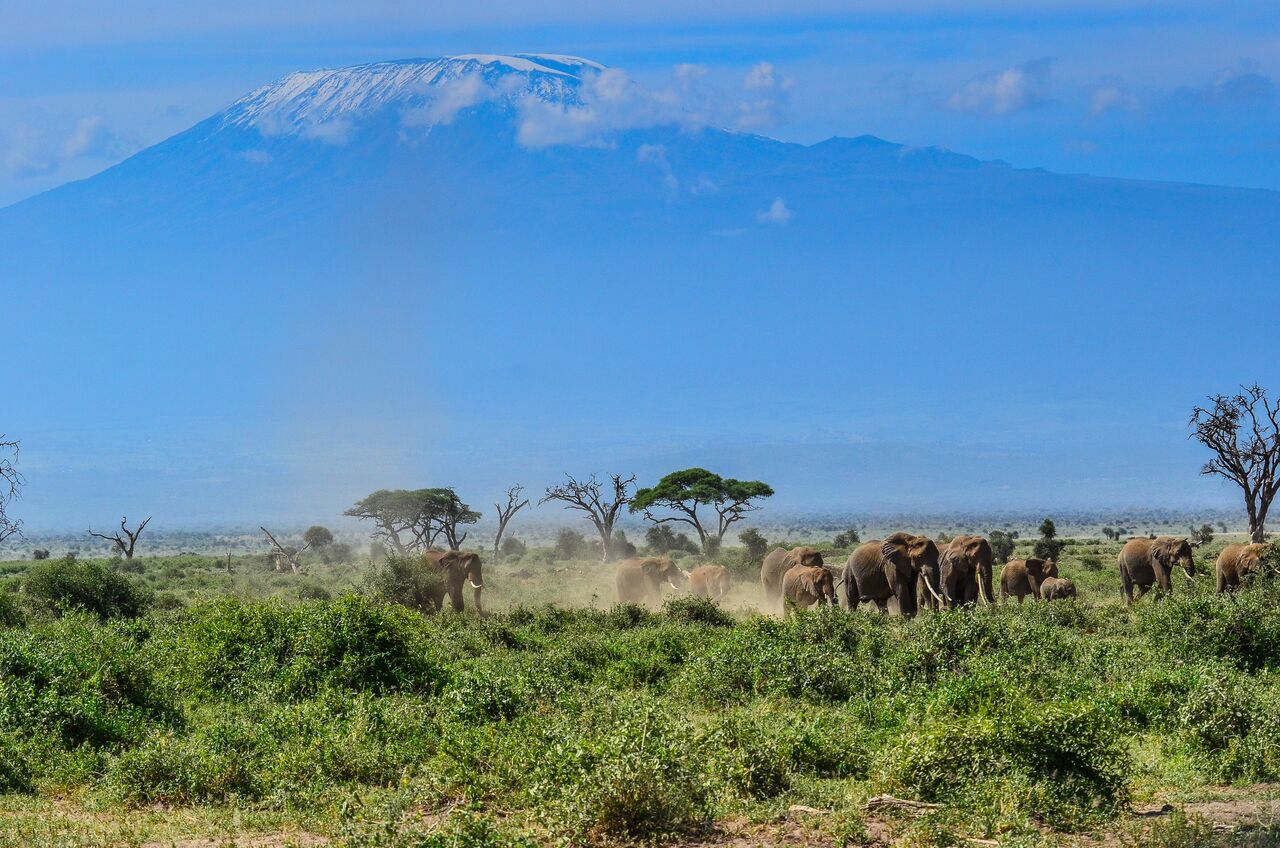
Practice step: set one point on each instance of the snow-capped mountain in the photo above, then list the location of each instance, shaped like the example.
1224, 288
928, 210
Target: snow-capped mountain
505, 249
424, 90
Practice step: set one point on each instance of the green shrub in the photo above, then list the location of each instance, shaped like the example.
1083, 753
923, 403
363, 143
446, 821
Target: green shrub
11, 612
1230, 724
402, 580
68, 583
1063, 762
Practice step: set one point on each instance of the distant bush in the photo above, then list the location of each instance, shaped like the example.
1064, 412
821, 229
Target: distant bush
40, 553
661, 539
1002, 544
570, 544
756, 546
513, 548
64, 584
318, 537
847, 539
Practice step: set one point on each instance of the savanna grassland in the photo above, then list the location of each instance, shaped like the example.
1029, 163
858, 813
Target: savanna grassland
170, 700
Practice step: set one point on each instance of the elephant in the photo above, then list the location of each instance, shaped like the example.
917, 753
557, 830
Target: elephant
1022, 577
1057, 589
454, 567
929, 581
965, 571
1146, 561
1237, 563
878, 570
709, 581
639, 579
805, 585
776, 564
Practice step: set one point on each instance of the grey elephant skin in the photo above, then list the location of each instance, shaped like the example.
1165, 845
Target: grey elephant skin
806, 585
1239, 563
1022, 577
639, 580
879, 570
776, 565
966, 570
1151, 562
455, 568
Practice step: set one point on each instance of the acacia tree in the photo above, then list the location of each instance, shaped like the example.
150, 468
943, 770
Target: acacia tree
10, 487
414, 520
1243, 432
506, 512
600, 503
683, 492
125, 544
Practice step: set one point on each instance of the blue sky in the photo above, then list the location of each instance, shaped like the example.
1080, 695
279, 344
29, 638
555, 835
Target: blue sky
228, 392
1171, 91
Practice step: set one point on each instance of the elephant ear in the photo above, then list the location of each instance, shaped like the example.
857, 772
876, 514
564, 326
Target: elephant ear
891, 548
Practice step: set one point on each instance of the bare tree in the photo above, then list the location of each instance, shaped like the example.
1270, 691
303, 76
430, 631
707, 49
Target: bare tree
1243, 431
11, 481
129, 541
284, 556
506, 513
589, 497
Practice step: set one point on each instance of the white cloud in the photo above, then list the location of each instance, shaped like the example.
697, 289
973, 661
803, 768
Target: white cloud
608, 101
1109, 94
450, 99
1242, 84
335, 132
777, 213
1004, 92
94, 138
656, 154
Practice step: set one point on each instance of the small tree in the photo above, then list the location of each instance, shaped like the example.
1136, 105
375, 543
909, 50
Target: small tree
40, 553
622, 547
848, 539
1002, 544
570, 544
513, 548
414, 520
1202, 536
1111, 533
1049, 546
125, 544
505, 513
10, 487
600, 504
683, 492
661, 539
757, 545
1243, 433
318, 537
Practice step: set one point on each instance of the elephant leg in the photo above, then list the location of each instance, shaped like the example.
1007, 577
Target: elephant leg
883, 604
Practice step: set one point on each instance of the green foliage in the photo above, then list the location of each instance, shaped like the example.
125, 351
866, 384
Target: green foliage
570, 544
60, 585
404, 580
661, 539
512, 548
757, 545
317, 537
683, 492
1002, 544
847, 539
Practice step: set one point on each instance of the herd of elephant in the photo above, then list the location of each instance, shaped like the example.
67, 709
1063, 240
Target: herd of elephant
917, 573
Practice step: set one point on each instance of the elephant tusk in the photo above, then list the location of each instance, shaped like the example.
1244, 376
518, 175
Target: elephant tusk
673, 586
473, 585
936, 596
1186, 575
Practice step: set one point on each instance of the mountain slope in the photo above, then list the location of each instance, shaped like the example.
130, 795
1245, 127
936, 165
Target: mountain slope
458, 269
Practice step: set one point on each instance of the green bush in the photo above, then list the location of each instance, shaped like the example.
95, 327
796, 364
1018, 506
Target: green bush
64, 584
402, 580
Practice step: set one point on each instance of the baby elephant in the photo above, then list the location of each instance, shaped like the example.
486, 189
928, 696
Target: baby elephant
806, 585
709, 581
1057, 589
1237, 563
1022, 577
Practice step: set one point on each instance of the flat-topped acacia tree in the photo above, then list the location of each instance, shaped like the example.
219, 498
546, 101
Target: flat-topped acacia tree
683, 492
413, 520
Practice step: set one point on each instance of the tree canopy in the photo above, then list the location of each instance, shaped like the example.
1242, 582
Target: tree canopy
683, 492
416, 519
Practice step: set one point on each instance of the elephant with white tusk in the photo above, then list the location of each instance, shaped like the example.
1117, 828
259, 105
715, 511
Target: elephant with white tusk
879, 570
966, 571
1147, 562
710, 581
640, 579
455, 567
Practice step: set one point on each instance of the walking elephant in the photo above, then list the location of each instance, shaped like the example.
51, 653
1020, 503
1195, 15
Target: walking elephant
709, 581
1057, 589
1238, 563
965, 571
806, 585
1022, 577
639, 579
454, 567
879, 570
1144, 562
776, 564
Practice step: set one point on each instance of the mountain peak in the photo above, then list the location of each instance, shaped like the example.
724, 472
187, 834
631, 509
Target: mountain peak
307, 102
